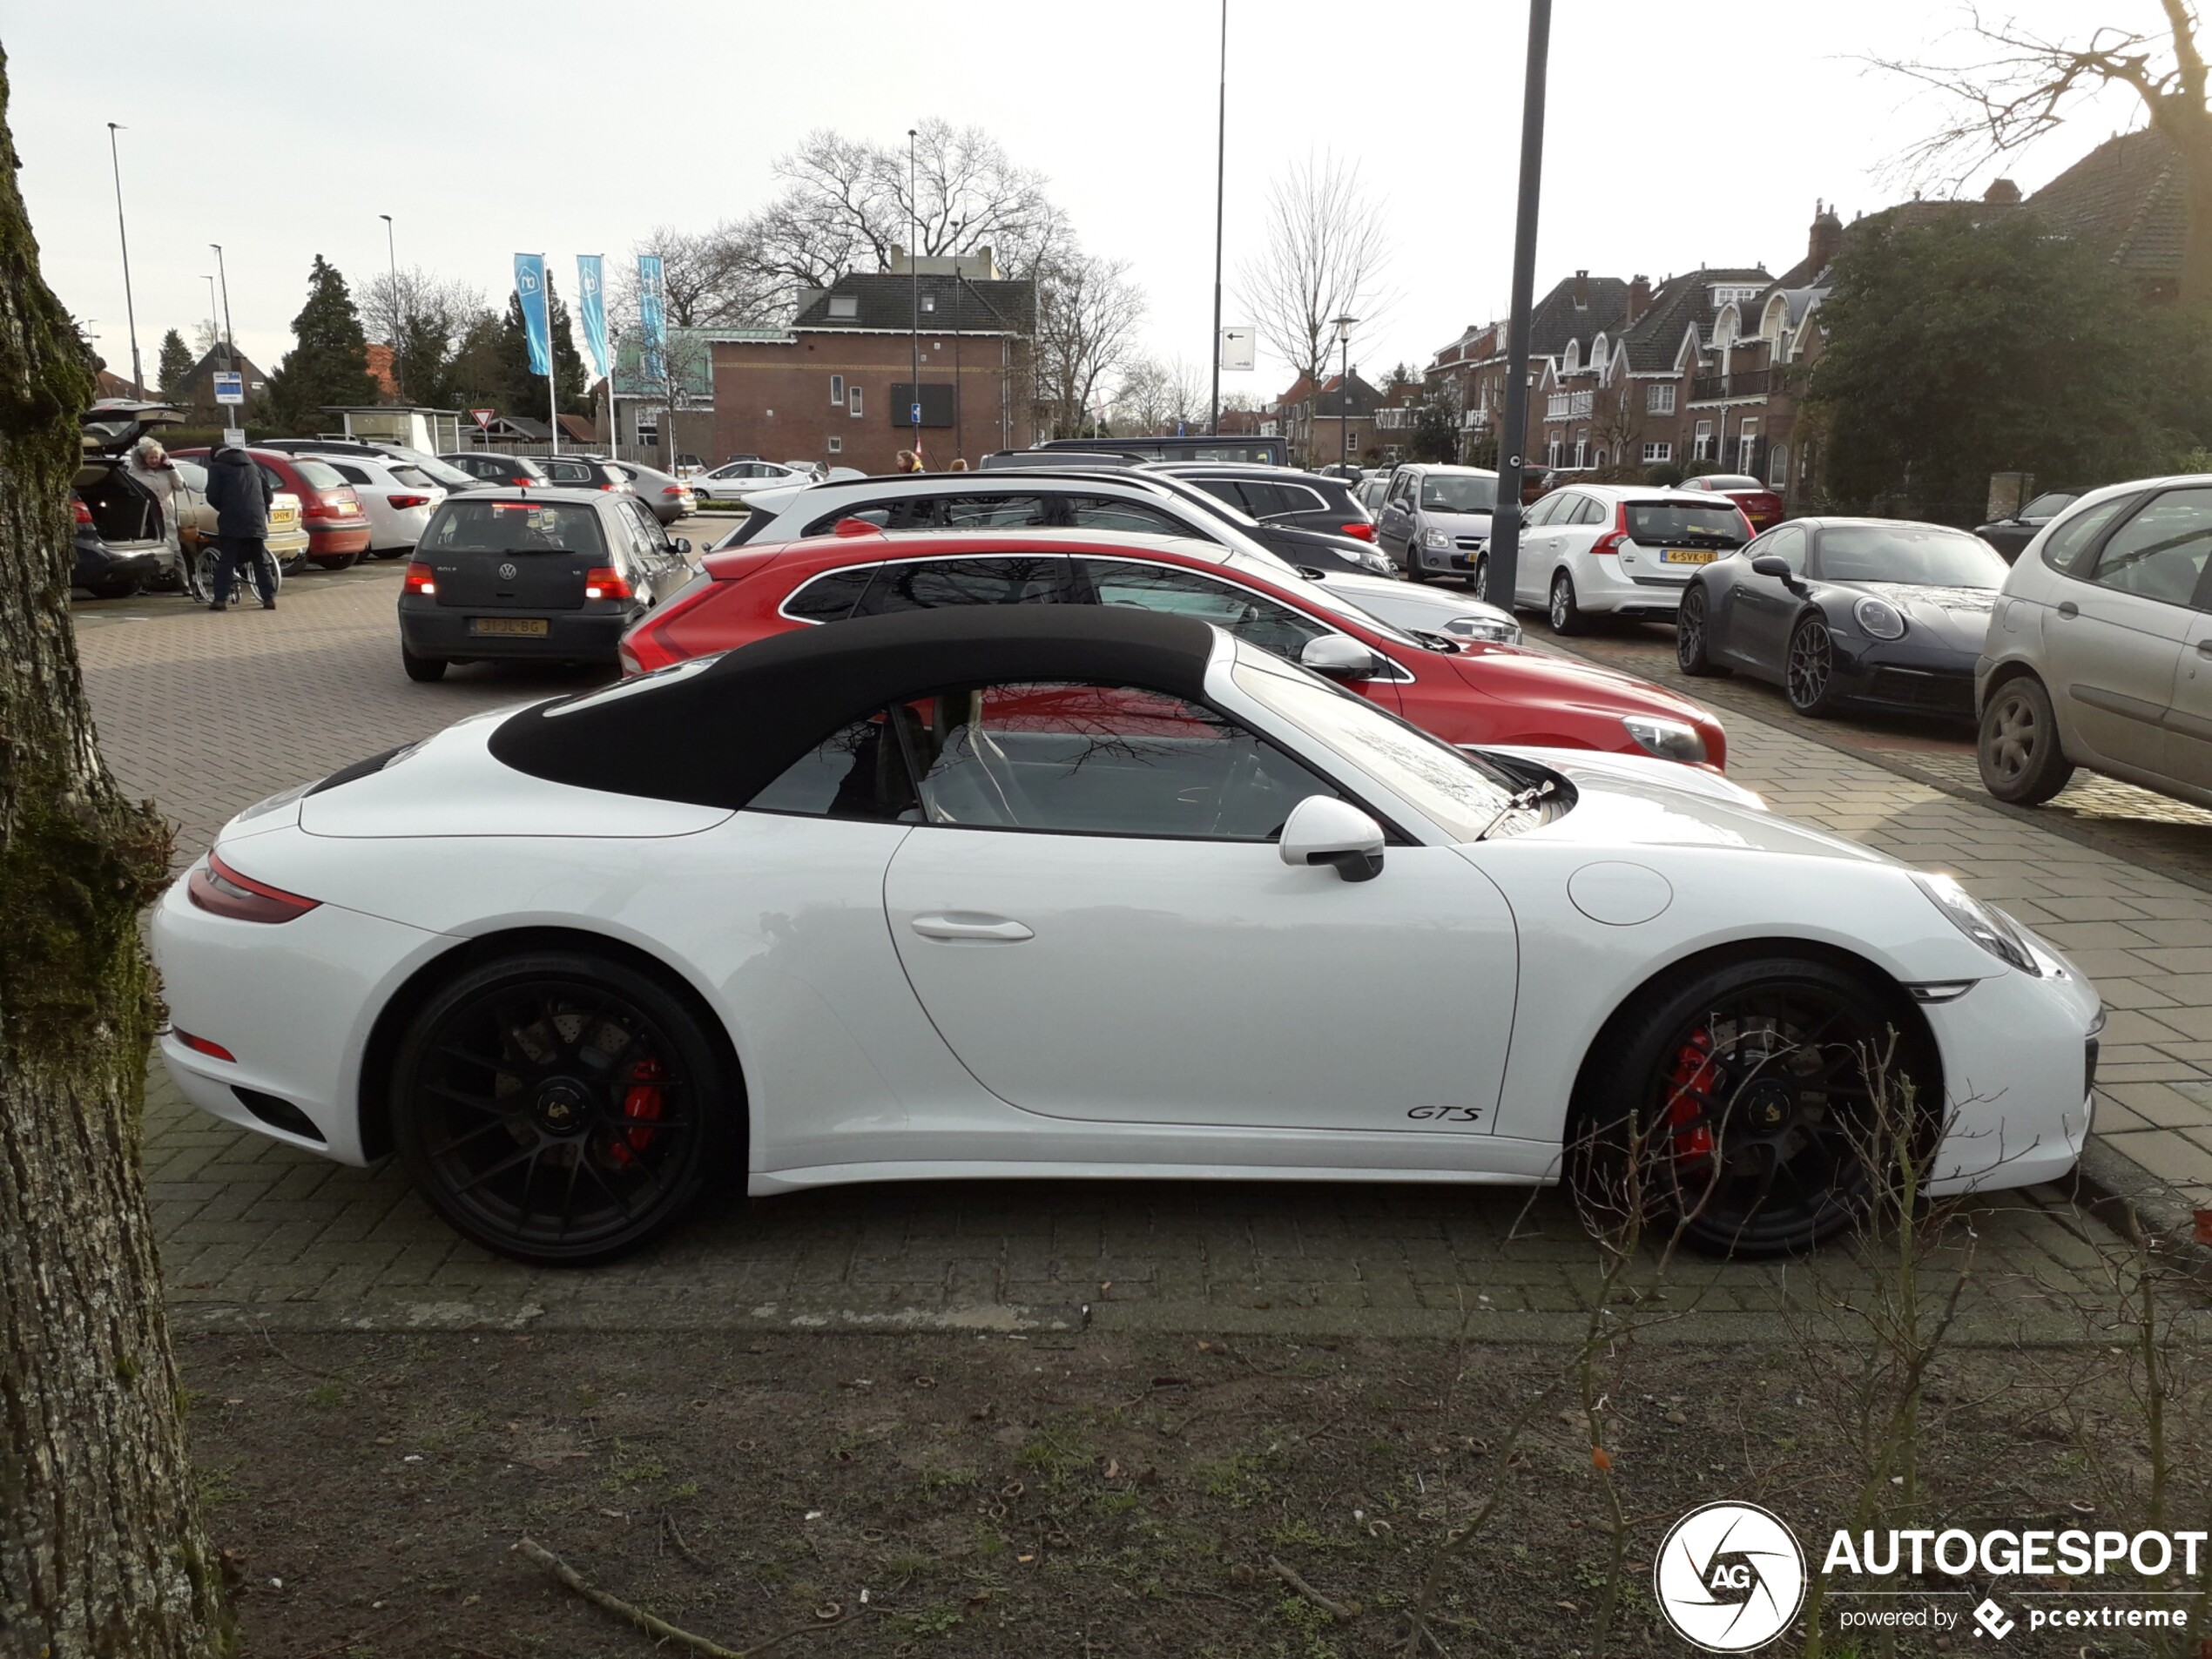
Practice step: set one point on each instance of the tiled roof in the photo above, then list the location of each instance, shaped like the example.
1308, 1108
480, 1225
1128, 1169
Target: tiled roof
1363, 397
883, 300
1676, 304
1555, 319
2126, 200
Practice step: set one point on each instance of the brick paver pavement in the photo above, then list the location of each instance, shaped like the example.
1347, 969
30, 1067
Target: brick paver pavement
204, 714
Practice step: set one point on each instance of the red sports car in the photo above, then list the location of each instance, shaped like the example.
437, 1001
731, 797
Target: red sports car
1464, 692
1761, 505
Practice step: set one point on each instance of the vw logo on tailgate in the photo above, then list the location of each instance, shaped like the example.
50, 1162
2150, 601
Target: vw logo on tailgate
507, 572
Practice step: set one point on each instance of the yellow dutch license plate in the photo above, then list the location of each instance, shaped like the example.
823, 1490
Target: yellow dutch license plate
284, 518
1688, 555
536, 626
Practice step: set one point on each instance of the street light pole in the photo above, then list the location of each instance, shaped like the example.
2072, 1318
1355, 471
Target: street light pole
130, 310
1502, 559
913, 264
1344, 327
214, 314
398, 324
230, 343
1220, 182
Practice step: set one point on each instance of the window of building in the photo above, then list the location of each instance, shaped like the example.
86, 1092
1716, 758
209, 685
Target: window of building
1701, 447
930, 302
852, 401
845, 305
1746, 446
1551, 453
837, 446
837, 388
1655, 453
647, 429
1778, 467
1659, 398
1581, 453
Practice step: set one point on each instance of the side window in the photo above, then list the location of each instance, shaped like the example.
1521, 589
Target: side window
1265, 500
1402, 489
2070, 540
1106, 513
934, 584
1076, 759
1248, 615
832, 596
1589, 510
2160, 552
271, 476
1789, 544
1543, 512
859, 771
350, 473
871, 512
1223, 489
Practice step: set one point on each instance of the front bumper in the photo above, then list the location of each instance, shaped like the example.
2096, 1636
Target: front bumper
1902, 675
428, 629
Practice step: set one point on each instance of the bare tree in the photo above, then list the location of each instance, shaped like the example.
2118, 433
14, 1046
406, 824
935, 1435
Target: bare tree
101, 1546
2014, 85
1323, 258
1143, 396
708, 277
1088, 310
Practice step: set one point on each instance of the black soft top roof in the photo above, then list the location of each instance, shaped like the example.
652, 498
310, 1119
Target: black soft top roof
717, 736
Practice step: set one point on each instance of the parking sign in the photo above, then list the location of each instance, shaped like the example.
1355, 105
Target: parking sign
229, 389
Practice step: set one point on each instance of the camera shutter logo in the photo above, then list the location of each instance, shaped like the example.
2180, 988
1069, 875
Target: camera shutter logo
1730, 1577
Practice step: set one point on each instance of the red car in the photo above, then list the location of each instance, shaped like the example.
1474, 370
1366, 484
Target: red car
1761, 505
337, 527
1464, 692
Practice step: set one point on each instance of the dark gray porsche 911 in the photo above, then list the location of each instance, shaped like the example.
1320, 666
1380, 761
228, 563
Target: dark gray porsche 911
1886, 612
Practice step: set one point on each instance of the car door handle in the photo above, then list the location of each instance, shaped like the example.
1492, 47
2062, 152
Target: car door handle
2068, 609
2204, 648
965, 925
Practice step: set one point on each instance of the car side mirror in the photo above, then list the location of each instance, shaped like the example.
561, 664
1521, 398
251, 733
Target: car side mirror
1774, 565
1324, 829
1337, 658
682, 545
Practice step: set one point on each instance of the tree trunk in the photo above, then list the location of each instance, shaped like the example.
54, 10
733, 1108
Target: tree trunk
101, 1549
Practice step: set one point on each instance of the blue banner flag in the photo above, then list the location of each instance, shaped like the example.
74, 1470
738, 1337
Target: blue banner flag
529, 286
591, 304
650, 315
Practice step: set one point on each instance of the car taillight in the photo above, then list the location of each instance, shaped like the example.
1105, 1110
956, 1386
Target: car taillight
604, 582
407, 501
653, 643
84, 513
201, 1045
672, 489
1746, 519
419, 579
1610, 542
1363, 530
216, 887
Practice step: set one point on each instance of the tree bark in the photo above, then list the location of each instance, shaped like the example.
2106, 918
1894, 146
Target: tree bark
102, 1552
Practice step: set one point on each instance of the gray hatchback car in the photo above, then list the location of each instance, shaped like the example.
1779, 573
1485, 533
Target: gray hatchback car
1436, 519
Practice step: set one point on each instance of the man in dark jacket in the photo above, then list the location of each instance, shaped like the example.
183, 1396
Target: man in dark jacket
240, 494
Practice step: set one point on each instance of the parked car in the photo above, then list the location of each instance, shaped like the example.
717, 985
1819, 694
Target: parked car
1437, 519
487, 466
286, 539
2009, 535
545, 574
338, 532
1371, 491
814, 469
583, 472
1617, 549
687, 464
1264, 452
1463, 691
119, 545
399, 500
1835, 611
667, 497
1077, 496
1418, 608
1049, 891
1761, 505
1308, 500
735, 480
2099, 653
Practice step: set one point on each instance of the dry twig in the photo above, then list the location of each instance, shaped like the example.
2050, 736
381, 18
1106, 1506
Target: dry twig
651, 1623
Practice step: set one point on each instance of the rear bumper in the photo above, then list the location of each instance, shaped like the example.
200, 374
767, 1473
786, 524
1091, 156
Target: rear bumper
428, 629
335, 542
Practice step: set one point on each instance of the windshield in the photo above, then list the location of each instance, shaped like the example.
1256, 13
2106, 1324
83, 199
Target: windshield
192, 476
1923, 556
1459, 492
2048, 506
465, 526
1462, 795
1730, 481
1666, 523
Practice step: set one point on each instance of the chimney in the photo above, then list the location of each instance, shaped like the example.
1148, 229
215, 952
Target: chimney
1639, 300
1582, 290
2004, 193
1826, 238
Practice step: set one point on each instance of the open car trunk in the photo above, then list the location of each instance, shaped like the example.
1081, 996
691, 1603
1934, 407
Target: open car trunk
123, 511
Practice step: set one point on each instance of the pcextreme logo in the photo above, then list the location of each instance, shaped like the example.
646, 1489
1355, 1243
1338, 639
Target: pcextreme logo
1730, 1577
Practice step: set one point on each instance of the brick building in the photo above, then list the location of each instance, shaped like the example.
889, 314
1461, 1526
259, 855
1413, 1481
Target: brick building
835, 386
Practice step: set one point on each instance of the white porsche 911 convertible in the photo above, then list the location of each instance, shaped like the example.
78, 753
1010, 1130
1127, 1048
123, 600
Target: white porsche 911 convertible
1054, 893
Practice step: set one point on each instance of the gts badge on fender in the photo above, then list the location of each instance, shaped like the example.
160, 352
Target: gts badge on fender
1445, 1116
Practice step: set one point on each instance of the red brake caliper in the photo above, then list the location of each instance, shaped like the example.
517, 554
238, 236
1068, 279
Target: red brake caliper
1689, 1098
641, 1101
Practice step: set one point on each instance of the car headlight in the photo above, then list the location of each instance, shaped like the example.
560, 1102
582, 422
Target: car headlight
1497, 631
1879, 619
1668, 740
1985, 925
1378, 562
1435, 540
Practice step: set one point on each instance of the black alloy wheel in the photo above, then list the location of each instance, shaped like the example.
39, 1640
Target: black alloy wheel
1809, 677
560, 1107
1693, 646
1757, 1084
2017, 748
1565, 615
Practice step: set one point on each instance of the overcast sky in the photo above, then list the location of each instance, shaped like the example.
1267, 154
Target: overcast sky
1678, 135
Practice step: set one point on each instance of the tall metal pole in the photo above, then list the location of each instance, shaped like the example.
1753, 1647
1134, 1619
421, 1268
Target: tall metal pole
1503, 558
214, 316
1343, 422
230, 343
399, 323
130, 310
1220, 181
913, 264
